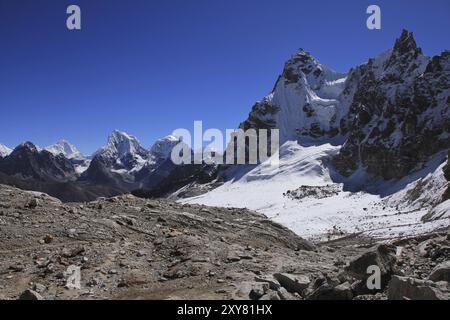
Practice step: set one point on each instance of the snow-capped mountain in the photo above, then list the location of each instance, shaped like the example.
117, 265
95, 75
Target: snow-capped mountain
360, 153
66, 149
162, 148
123, 152
303, 103
4, 150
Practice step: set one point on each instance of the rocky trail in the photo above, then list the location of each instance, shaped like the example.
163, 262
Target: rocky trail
131, 248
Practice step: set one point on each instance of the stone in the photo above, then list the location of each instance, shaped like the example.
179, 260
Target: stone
441, 272
273, 283
39, 288
30, 295
33, 203
383, 256
133, 278
70, 253
327, 292
258, 290
73, 274
285, 295
406, 288
293, 283
48, 239
270, 296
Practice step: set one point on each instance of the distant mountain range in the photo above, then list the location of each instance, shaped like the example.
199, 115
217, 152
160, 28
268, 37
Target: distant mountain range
382, 129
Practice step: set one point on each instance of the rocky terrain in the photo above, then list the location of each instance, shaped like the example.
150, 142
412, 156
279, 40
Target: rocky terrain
130, 248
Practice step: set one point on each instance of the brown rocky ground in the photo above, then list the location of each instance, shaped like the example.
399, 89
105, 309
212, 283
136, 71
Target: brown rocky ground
131, 248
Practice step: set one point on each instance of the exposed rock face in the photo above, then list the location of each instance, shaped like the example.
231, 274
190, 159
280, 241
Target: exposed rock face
446, 195
447, 168
399, 111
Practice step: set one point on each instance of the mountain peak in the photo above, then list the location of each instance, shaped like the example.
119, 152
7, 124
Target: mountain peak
4, 150
406, 43
121, 145
65, 148
163, 147
27, 145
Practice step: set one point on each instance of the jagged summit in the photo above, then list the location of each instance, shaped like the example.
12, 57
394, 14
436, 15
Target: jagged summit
122, 143
406, 43
25, 146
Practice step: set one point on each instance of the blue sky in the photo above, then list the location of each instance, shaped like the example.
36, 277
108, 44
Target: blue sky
151, 66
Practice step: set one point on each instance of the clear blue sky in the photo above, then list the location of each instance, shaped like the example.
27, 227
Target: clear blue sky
151, 66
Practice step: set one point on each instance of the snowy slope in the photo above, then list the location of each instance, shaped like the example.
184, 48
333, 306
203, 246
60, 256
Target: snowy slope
4, 150
314, 215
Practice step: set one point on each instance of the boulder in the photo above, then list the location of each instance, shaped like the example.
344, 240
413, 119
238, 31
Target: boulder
258, 291
293, 283
273, 283
30, 295
406, 288
383, 256
441, 272
286, 295
327, 292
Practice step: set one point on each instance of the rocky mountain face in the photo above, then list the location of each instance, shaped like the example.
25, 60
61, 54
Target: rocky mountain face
399, 111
